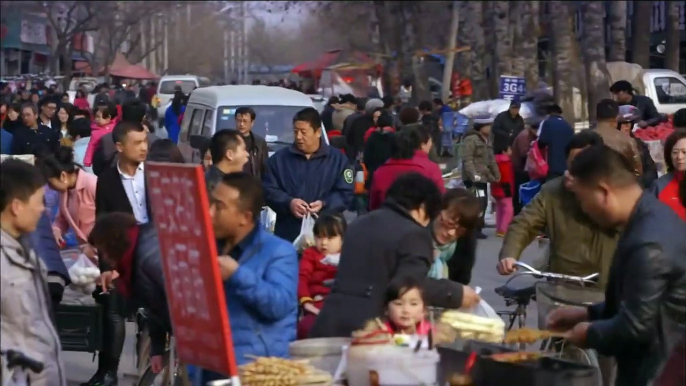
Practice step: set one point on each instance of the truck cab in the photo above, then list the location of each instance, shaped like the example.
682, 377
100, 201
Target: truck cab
666, 88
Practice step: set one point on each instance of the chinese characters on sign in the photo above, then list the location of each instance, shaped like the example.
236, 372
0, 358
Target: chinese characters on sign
512, 88
195, 291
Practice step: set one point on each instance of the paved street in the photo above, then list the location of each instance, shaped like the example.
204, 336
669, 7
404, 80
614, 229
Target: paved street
80, 365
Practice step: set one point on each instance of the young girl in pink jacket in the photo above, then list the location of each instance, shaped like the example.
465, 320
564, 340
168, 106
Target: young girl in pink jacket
105, 120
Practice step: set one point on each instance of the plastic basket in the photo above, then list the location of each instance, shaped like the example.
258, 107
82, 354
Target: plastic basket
551, 295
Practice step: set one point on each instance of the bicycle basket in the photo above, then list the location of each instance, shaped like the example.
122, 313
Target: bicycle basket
551, 295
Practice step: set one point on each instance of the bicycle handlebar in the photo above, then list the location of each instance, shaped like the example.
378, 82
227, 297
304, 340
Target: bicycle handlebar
18, 359
531, 271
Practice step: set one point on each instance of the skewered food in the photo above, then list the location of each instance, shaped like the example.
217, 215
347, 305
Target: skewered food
529, 335
514, 357
470, 326
281, 372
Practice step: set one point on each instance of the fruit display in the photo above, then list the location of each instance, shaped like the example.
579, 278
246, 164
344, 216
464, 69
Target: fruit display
659, 132
267, 371
474, 327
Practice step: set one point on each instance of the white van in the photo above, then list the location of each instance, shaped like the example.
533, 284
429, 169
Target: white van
165, 89
213, 108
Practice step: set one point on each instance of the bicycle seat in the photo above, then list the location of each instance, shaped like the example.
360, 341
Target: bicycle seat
519, 295
17, 359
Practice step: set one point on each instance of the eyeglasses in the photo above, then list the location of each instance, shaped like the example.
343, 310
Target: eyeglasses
447, 222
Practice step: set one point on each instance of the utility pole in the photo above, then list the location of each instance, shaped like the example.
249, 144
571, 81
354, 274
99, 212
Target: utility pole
450, 57
246, 61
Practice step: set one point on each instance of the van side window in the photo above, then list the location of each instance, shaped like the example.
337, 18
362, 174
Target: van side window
186, 124
207, 124
670, 90
196, 121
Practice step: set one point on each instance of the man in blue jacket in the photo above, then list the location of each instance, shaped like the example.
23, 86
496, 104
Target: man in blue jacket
306, 177
260, 273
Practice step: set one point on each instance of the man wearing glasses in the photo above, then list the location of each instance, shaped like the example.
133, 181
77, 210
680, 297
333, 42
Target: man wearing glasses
48, 106
34, 137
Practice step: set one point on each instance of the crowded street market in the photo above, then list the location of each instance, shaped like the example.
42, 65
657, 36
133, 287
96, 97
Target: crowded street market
241, 234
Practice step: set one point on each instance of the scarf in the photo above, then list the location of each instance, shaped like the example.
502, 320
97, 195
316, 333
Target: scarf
442, 253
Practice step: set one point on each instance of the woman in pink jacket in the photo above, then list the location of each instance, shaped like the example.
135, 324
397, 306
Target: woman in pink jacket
77, 197
105, 119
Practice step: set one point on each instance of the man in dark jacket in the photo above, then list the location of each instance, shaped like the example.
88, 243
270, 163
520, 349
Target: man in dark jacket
306, 177
553, 136
254, 144
623, 93
642, 317
47, 250
506, 126
358, 128
33, 136
430, 119
388, 243
327, 114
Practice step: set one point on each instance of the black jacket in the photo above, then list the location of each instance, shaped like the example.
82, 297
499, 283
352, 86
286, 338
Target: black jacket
649, 168
506, 129
148, 286
258, 153
28, 141
461, 264
644, 312
647, 109
106, 154
378, 247
110, 196
378, 149
355, 135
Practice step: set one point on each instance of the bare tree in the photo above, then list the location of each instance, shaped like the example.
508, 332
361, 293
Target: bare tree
450, 57
503, 58
67, 20
474, 20
562, 35
640, 33
673, 36
517, 32
464, 59
617, 31
593, 40
527, 42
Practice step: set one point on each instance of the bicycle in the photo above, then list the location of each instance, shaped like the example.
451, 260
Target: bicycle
17, 364
550, 294
174, 375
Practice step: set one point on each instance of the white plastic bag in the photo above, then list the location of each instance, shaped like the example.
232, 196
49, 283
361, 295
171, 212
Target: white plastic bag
306, 237
268, 219
482, 309
83, 273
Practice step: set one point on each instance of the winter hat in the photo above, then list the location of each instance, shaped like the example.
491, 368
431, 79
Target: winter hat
372, 105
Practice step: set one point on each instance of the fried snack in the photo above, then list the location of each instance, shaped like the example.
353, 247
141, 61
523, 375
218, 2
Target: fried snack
470, 326
460, 380
515, 357
527, 335
267, 371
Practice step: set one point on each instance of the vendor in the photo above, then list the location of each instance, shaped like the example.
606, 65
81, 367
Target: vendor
623, 93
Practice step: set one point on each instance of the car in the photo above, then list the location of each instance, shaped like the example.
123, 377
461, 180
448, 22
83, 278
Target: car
167, 84
211, 109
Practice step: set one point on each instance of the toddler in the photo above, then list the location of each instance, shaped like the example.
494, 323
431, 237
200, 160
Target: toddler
105, 119
318, 268
405, 308
502, 191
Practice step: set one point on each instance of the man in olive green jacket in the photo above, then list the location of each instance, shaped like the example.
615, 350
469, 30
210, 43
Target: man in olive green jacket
578, 246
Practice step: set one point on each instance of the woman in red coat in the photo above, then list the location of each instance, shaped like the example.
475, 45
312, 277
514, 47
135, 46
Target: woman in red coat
411, 156
503, 191
666, 188
318, 268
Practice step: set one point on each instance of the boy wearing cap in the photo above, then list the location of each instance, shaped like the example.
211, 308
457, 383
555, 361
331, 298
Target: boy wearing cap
478, 163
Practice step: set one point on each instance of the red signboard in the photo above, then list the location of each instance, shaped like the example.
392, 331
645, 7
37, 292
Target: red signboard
195, 292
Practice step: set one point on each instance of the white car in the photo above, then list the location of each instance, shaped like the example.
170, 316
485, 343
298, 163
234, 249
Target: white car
165, 90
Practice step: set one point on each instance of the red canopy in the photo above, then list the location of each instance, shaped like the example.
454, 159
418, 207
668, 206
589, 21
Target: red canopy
315, 67
134, 71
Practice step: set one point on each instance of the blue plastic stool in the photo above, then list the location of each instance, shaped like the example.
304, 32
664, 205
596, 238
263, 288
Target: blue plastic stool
528, 191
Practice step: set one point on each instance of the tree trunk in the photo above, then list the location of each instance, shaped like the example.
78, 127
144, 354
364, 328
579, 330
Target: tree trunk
526, 47
617, 31
384, 20
464, 58
516, 29
420, 86
594, 55
672, 46
68, 66
474, 25
450, 56
503, 40
489, 48
640, 33
562, 34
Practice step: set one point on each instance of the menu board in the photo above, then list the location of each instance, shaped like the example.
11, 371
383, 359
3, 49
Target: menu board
195, 292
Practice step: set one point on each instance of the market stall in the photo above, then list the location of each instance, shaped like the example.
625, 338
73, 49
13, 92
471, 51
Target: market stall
361, 79
312, 71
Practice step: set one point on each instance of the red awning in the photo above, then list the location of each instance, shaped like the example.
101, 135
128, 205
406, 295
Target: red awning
134, 71
316, 66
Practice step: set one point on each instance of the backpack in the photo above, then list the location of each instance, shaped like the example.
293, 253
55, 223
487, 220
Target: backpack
536, 164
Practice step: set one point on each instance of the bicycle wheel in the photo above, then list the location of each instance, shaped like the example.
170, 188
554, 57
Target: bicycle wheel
149, 378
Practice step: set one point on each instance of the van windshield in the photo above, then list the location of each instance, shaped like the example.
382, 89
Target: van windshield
167, 86
670, 90
273, 123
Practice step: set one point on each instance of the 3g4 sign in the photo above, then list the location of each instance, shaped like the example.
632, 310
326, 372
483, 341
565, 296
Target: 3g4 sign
512, 87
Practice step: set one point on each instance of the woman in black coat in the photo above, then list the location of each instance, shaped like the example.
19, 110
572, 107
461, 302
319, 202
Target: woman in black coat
392, 241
